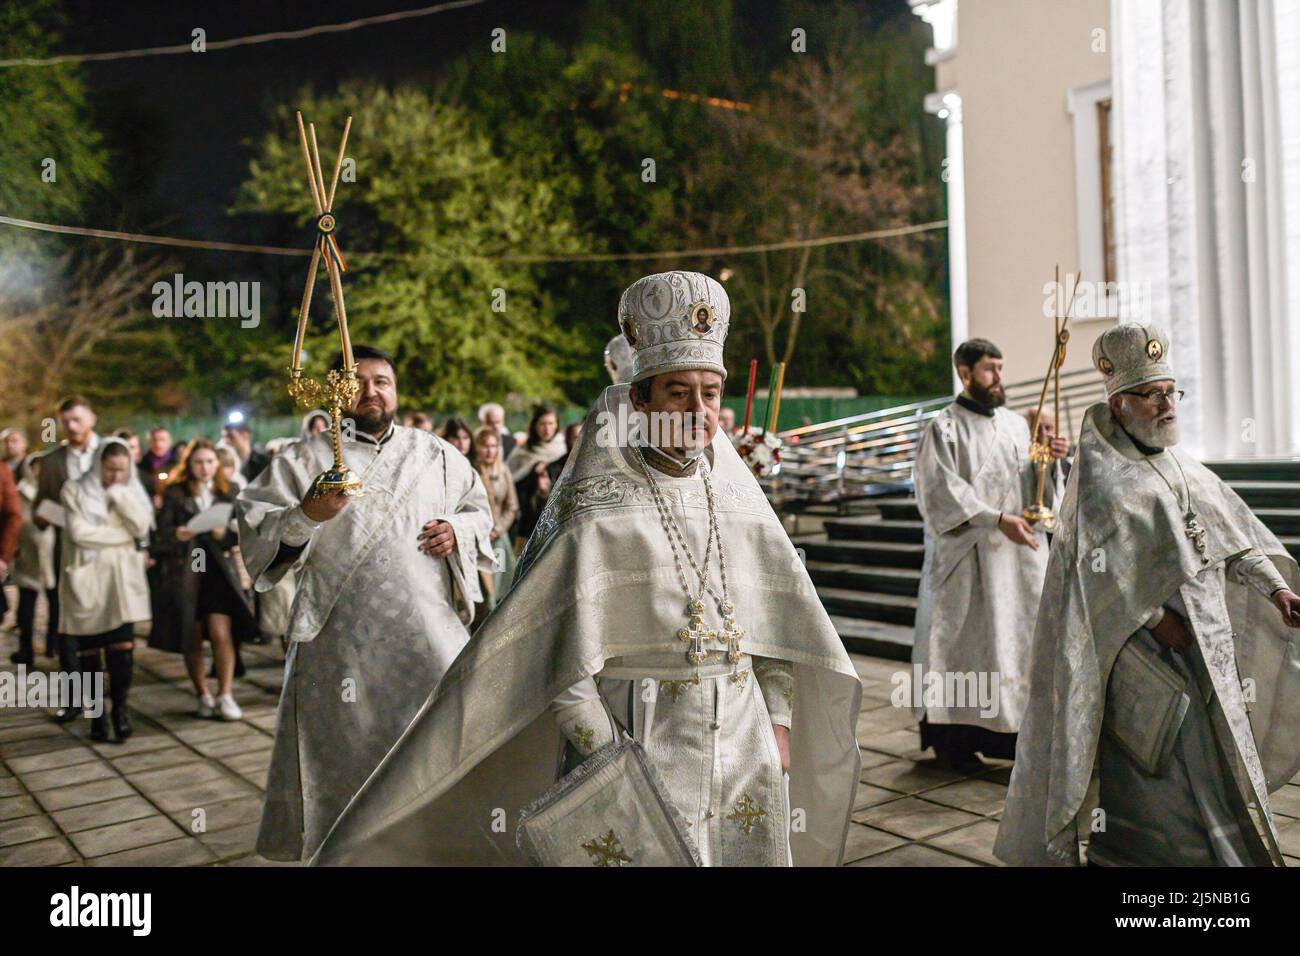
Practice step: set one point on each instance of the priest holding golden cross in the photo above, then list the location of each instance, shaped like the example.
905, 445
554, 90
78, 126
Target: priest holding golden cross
386, 580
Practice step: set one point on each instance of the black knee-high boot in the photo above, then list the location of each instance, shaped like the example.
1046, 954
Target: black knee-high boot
92, 664
26, 617
70, 661
121, 666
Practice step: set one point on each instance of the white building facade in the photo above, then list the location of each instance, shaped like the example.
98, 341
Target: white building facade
1153, 146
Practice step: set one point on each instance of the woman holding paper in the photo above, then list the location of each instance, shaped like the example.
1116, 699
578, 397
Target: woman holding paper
202, 595
103, 591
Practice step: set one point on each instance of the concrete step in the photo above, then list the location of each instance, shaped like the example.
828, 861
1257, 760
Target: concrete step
871, 528
900, 509
890, 641
892, 554
857, 577
1281, 521
1264, 469
1268, 494
869, 605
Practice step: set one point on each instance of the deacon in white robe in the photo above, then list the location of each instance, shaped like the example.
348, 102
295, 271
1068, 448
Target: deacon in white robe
983, 567
1165, 667
598, 624
386, 586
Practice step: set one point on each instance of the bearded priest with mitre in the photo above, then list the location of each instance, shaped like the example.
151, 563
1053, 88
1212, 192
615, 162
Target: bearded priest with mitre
660, 590
1164, 664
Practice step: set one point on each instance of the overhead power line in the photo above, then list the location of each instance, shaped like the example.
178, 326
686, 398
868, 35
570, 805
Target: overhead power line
524, 258
242, 41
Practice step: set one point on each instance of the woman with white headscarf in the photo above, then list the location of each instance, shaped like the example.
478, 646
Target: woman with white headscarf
528, 468
103, 590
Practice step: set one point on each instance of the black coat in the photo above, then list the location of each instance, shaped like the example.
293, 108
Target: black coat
256, 464
176, 606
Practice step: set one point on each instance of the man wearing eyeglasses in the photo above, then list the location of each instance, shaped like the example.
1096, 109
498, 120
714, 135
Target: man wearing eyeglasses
1159, 664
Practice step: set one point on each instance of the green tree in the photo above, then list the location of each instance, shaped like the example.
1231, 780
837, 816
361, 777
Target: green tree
439, 210
578, 119
43, 116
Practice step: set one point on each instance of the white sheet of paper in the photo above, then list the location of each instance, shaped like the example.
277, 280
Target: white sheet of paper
52, 512
218, 516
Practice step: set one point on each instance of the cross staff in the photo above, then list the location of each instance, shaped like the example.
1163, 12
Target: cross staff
326, 244
341, 387
1040, 453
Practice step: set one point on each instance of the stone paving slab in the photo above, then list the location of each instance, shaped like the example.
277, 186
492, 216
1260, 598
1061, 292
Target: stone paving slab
52, 852
183, 852
94, 814
232, 843
39, 780
52, 760
145, 831
14, 807
914, 818
865, 841
83, 793
131, 764
198, 796
914, 854
224, 814
26, 829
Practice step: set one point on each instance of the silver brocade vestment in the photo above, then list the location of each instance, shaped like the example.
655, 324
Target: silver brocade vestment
597, 585
979, 590
1121, 552
374, 624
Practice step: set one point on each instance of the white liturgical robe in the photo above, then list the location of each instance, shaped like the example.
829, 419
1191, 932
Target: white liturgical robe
375, 622
597, 595
1185, 748
979, 590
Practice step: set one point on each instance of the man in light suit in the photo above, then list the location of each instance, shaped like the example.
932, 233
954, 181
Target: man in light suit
69, 461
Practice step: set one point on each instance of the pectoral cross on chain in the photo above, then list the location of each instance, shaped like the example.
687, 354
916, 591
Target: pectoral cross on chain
696, 634
1194, 531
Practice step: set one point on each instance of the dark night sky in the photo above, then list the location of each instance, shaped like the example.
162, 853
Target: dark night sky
185, 121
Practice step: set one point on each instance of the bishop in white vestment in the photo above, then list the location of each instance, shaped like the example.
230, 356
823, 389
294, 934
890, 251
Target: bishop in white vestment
722, 664
1165, 667
379, 612
983, 567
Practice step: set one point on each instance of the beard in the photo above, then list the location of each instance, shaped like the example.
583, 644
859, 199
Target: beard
372, 419
1152, 432
990, 398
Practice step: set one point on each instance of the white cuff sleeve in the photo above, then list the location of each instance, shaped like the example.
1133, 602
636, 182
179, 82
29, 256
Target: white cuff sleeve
586, 725
297, 528
776, 679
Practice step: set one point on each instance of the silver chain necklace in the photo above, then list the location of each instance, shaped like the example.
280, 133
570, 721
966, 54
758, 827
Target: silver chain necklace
1191, 523
695, 634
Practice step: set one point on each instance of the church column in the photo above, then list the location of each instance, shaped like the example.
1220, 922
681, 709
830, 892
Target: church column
947, 106
1206, 208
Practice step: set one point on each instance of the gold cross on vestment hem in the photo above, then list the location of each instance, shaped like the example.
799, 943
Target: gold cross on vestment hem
606, 851
747, 814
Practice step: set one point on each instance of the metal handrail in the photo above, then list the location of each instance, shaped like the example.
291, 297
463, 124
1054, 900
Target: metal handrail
874, 452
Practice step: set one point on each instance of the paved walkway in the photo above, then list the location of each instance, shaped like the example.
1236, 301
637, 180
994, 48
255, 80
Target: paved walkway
188, 792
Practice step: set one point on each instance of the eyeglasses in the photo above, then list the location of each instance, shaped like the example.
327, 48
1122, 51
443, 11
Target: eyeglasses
1157, 396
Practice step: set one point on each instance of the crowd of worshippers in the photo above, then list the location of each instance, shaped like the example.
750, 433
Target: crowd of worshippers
124, 538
